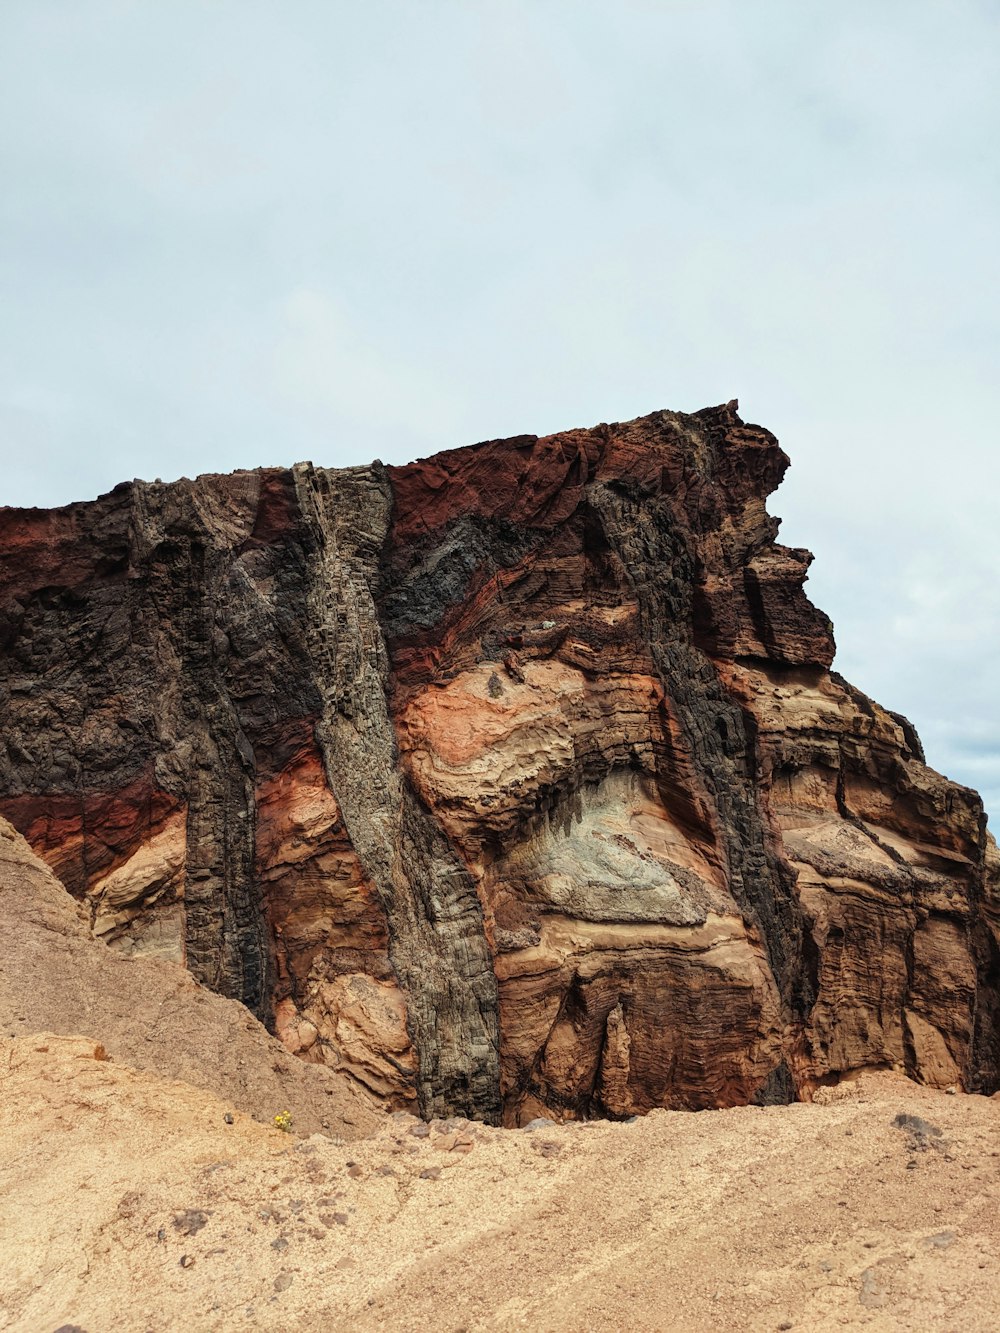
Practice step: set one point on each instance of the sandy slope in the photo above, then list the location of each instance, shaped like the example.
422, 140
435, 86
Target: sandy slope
54, 976
127, 1202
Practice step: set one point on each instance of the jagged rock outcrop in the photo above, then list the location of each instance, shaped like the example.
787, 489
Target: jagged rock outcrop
513, 781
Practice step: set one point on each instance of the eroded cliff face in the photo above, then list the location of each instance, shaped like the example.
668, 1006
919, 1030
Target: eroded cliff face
514, 781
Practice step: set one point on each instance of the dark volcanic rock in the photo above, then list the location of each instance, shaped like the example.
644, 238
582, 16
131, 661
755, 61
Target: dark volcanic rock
514, 781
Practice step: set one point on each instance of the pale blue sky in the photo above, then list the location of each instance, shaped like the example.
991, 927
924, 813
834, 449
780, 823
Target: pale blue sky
250, 233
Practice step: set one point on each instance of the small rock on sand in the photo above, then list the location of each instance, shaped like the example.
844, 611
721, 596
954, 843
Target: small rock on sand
191, 1221
917, 1125
872, 1294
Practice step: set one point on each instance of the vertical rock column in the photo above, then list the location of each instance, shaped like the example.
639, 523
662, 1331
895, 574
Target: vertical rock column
656, 564
181, 543
437, 940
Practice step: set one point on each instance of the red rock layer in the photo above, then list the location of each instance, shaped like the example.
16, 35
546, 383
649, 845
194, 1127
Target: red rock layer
336, 997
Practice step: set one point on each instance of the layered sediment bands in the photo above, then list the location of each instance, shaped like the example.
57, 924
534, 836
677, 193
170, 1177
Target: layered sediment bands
513, 781
336, 998
986, 947
889, 861
119, 714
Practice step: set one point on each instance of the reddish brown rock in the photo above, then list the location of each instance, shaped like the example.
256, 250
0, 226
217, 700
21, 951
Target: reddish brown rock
336, 999
513, 782
122, 853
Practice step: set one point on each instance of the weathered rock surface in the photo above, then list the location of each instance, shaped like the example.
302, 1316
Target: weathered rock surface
149, 1012
511, 782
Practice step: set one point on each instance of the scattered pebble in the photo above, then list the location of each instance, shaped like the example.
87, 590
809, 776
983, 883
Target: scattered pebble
191, 1221
872, 1294
941, 1240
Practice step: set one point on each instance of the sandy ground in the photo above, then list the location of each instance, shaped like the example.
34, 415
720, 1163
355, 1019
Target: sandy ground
128, 1202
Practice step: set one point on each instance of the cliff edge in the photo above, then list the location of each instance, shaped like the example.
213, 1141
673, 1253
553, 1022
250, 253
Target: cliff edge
515, 781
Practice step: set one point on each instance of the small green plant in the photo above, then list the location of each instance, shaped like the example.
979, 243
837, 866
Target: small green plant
283, 1121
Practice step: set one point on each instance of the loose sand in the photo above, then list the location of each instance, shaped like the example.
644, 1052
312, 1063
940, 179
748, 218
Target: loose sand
128, 1202
151, 1014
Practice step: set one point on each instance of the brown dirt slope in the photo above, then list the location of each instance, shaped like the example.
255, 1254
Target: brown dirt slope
147, 1012
128, 1202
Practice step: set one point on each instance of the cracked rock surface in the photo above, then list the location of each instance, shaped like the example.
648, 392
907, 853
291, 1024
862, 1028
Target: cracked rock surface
511, 783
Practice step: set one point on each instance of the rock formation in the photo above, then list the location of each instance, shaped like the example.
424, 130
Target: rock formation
511, 782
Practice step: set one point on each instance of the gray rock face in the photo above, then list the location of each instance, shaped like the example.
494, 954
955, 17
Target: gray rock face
437, 941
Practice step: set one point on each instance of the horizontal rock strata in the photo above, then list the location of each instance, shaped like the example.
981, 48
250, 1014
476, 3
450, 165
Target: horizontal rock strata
512, 782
